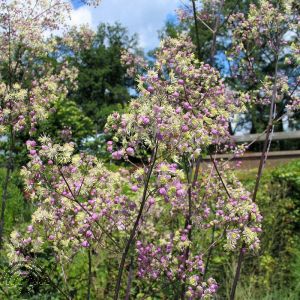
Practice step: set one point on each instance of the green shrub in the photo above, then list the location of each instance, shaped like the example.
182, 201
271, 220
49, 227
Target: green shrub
275, 272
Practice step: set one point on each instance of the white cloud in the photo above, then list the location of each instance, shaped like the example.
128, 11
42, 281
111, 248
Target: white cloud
81, 16
144, 17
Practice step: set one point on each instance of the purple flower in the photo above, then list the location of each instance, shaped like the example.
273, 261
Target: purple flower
30, 228
117, 155
150, 89
215, 132
95, 217
85, 244
185, 128
130, 151
32, 152
178, 110
134, 188
162, 191
151, 201
183, 238
91, 201
144, 120
180, 193
51, 237
30, 143
88, 234
187, 106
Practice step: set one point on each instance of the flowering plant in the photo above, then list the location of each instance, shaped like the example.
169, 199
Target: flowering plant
181, 115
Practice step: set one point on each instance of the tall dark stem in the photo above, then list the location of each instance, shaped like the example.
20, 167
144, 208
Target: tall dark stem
129, 280
196, 29
259, 173
209, 255
136, 224
188, 220
210, 251
89, 275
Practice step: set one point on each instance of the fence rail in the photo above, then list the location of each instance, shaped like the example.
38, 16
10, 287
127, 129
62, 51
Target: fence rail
276, 136
256, 155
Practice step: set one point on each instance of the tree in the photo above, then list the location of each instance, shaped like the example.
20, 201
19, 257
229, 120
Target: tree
29, 84
66, 123
209, 25
102, 79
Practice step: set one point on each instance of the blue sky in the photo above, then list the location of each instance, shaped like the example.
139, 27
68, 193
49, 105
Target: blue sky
144, 17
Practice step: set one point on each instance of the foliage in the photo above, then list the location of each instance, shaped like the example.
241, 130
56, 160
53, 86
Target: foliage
216, 36
17, 211
68, 122
275, 270
102, 80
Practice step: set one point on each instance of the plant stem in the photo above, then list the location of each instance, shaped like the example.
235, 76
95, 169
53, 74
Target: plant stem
213, 228
89, 275
196, 29
136, 224
129, 281
188, 221
259, 174
209, 252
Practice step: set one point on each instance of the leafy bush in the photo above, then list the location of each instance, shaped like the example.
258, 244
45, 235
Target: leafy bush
274, 273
